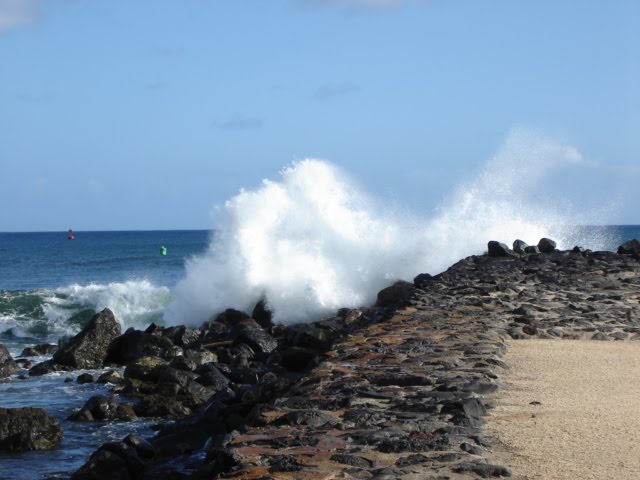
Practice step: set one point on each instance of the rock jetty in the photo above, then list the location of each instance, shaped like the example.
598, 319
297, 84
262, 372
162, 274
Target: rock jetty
395, 391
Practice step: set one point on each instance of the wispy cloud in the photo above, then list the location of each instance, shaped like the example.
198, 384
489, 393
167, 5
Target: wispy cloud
242, 122
355, 5
329, 90
14, 13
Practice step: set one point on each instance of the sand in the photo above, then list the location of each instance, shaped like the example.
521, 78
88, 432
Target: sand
588, 423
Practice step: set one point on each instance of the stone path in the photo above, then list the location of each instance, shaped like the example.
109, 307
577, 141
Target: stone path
406, 398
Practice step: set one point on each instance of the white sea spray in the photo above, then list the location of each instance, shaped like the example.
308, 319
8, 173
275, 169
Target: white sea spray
313, 241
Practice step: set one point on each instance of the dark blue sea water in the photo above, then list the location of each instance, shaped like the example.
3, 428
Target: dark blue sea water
50, 286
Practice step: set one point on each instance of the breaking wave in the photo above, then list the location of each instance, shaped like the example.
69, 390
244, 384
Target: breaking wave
313, 241
50, 314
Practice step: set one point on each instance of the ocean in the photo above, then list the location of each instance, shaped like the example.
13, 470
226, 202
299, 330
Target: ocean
50, 286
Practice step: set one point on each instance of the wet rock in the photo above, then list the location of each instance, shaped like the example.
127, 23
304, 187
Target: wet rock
101, 408
145, 369
211, 376
632, 247
111, 376
231, 317
530, 329
224, 459
422, 280
143, 448
161, 406
249, 332
183, 336
262, 314
39, 350
7, 364
397, 294
85, 378
135, 344
408, 382
116, 460
532, 249
23, 363
497, 249
519, 246
546, 245
46, 367
307, 335
297, 359
24, 429
88, 349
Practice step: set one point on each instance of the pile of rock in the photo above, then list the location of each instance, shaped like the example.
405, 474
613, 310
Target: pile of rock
392, 391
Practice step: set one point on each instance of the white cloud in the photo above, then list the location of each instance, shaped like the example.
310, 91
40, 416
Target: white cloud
14, 13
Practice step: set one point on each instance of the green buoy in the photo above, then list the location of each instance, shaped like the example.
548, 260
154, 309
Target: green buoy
163, 250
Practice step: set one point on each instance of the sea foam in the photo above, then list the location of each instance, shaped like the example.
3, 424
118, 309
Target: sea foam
51, 314
313, 241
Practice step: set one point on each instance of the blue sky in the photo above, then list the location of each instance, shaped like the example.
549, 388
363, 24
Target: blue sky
147, 114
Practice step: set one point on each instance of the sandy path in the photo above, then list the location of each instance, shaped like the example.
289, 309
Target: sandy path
588, 423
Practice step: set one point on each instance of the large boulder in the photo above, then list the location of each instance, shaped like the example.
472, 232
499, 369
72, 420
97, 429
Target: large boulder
7, 364
39, 350
497, 249
113, 460
251, 333
632, 247
546, 245
519, 246
397, 294
24, 429
89, 348
100, 407
135, 344
262, 314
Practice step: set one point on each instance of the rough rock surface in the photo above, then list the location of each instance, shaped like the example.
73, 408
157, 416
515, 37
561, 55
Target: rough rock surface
88, 349
7, 364
24, 429
397, 391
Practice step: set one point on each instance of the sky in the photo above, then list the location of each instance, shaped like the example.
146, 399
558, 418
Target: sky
121, 115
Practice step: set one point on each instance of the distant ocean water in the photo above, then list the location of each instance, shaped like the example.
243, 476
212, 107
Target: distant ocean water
50, 286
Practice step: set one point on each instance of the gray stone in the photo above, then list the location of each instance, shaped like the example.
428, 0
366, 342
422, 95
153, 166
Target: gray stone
497, 249
7, 364
24, 429
88, 349
546, 245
